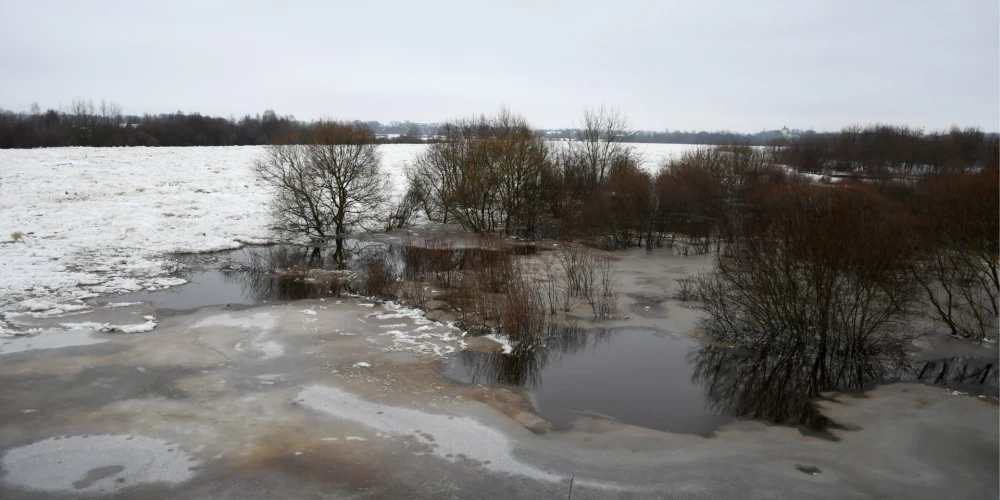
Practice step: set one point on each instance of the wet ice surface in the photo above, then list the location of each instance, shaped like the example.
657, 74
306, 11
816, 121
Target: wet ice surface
635, 376
50, 339
96, 465
447, 436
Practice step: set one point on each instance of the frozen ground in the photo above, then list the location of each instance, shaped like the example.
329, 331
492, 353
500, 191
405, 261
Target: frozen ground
273, 402
79, 222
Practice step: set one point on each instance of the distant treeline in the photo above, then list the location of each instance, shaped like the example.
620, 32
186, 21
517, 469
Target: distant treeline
87, 124
887, 150
717, 138
854, 148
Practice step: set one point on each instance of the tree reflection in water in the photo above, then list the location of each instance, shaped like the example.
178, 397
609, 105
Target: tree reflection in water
281, 272
781, 384
523, 366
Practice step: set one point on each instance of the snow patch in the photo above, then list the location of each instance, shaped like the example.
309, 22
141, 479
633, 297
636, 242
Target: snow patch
148, 326
504, 343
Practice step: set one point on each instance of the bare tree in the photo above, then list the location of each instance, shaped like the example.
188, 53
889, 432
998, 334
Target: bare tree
490, 174
600, 146
36, 112
327, 187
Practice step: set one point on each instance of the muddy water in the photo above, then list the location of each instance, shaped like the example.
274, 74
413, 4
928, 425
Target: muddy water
635, 376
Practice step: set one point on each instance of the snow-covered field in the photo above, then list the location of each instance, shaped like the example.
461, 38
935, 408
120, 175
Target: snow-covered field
76, 223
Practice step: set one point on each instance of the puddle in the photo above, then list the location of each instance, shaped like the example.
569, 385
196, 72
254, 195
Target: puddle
635, 376
240, 278
246, 277
217, 288
661, 381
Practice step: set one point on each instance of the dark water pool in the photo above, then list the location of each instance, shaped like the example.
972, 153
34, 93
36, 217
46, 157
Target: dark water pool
652, 379
243, 277
636, 376
216, 288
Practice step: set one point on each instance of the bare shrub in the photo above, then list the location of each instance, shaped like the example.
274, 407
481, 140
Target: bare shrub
414, 292
603, 297
623, 209
496, 292
958, 266
554, 290
687, 289
590, 277
379, 275
825, 266
521, 311
402, 211
577, 264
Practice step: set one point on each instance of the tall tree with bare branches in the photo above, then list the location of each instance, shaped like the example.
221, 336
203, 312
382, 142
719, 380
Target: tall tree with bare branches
327, 185
600, 146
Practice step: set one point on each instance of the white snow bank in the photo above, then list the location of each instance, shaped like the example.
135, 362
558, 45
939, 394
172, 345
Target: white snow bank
148, 326
99, 220
504, 343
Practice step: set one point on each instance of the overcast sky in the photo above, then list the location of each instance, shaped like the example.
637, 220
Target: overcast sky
738, 65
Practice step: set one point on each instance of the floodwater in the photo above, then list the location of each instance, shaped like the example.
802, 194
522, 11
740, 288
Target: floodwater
241, 277
639, 376
257, 274
661, 381
235, 288
635, 376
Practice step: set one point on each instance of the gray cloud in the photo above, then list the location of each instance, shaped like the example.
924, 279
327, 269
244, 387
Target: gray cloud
667, 64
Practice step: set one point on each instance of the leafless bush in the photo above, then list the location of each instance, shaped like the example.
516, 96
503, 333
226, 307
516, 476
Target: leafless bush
379, 275
496, 291
556, 292
401, 213
603, 297
958, 266
521, 313
824, 266
577, 264
687, 289
588, 276
414, 292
